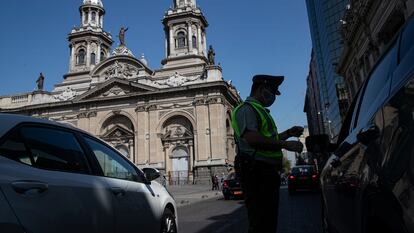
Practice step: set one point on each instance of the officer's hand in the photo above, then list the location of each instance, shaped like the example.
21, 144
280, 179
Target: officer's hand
294, 146
295, 131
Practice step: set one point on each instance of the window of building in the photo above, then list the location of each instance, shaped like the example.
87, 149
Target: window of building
194, 39
81, 57
103, 56
93, 17
54, 149
93, 59
86, 17
181, 41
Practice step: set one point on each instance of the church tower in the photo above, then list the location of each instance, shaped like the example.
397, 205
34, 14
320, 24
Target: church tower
185, 34
89, 43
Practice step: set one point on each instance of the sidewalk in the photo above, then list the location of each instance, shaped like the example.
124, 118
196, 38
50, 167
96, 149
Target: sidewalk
190, 194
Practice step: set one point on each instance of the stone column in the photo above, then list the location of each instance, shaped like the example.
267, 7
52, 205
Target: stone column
131, 150
166, 45
98, 56
190, 162
83, 18
88, 53
190, 37
172, 44
72, 57
101, 19
89, 16
200, 47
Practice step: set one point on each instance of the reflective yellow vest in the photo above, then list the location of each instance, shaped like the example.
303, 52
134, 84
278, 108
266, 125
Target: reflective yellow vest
267, 128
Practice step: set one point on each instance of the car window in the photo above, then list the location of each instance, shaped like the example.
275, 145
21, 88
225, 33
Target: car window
55, 149
378, 87
407, 39
302, 170
14, 148
112, 163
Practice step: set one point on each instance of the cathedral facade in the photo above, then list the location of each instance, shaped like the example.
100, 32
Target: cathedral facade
176, 118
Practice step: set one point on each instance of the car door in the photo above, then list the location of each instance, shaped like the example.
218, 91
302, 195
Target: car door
137, 206
359, 152
398, 161
46, 177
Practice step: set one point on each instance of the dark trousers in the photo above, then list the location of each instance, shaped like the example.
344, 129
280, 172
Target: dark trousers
260, 184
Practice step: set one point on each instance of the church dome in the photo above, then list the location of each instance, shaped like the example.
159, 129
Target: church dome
93, 2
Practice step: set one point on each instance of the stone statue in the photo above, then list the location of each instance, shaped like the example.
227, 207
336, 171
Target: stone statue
40, 82
211, 55
122, 35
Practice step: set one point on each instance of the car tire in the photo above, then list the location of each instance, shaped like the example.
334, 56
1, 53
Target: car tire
168, 224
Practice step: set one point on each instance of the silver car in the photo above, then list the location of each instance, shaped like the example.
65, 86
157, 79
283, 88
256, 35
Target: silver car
56, 178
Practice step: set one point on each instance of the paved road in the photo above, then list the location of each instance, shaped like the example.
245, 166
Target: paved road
299, 213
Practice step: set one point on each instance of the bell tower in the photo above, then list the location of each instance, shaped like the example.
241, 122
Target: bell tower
89, 44
185, 34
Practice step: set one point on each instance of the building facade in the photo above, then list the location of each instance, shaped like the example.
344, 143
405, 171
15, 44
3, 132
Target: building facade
176, 118
324, 22
312, 106
368, 27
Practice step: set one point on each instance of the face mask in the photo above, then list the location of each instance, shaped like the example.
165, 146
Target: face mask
268, 98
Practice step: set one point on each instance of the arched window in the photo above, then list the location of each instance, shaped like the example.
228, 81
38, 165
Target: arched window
93, 58
93, 17
181, 40
81, 57
86, 17
194, 39
102, 56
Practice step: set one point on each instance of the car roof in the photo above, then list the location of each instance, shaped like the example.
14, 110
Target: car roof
8, 121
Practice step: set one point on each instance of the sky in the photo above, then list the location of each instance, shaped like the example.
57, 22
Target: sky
249, 37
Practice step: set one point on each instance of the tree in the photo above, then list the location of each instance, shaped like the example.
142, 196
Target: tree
286, 165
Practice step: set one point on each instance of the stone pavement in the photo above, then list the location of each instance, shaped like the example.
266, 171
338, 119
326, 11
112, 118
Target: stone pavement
190, 194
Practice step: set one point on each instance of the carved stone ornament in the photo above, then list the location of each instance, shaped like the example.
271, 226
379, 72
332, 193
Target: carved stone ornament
115, 91
140, 109
66, 95
122, 50
120, 70
176, 80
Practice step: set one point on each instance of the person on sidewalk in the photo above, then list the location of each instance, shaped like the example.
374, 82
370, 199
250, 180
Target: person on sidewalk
259, 156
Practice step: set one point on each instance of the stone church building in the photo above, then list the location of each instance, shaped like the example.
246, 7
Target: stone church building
176, 118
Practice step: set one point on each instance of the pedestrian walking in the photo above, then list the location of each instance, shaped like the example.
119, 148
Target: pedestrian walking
259, 157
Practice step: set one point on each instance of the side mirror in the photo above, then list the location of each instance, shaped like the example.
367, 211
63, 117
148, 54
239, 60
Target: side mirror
151, 173
319, 144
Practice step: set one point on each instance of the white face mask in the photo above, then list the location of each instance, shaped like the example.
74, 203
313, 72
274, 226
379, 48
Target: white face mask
268, 98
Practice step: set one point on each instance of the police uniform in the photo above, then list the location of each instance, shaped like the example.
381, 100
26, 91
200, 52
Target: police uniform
258, 170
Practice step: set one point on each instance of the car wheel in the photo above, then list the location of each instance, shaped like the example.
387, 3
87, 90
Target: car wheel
168, 224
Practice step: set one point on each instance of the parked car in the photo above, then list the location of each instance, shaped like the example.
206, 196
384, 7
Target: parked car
56, 178
232, 187
303, 177
368, 181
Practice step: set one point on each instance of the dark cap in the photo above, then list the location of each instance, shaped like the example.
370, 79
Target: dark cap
270, 81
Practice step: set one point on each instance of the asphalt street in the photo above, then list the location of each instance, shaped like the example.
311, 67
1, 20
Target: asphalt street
299, 213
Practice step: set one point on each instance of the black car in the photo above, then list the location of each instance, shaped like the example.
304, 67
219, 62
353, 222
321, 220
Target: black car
303, 177
368, 181
232, 187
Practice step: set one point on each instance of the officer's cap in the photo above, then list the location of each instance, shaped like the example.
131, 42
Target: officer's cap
270, 81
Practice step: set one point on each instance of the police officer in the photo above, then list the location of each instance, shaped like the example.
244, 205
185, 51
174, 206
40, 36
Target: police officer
259, 156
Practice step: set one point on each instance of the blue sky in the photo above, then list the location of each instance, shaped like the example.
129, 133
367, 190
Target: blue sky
249, 37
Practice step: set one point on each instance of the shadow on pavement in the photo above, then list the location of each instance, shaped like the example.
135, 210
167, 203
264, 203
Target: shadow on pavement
234, 222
